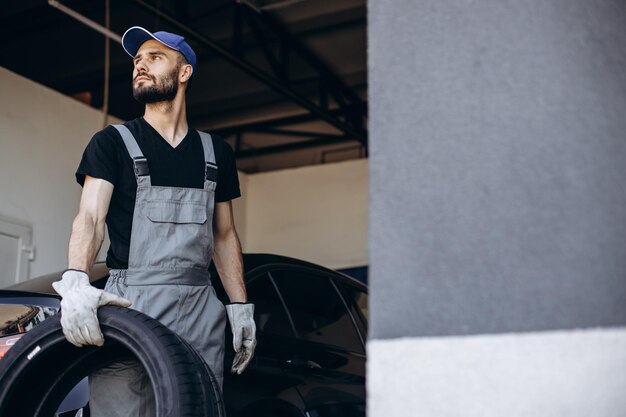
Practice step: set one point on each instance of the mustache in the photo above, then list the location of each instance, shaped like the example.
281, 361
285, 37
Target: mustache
143, 74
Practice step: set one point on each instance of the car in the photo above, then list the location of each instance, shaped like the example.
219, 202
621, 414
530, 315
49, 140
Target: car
311, 332
6, 343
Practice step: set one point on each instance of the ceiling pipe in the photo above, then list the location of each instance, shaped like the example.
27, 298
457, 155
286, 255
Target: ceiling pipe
95, 26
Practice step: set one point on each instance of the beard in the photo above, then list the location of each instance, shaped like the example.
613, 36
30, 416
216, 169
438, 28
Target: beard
164, 89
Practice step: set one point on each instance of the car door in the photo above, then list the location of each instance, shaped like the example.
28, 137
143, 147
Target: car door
264, 389
328, 355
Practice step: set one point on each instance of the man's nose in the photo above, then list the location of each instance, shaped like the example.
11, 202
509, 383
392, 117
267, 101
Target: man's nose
140, 66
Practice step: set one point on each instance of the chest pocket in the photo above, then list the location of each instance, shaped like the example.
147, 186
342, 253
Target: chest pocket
174, 212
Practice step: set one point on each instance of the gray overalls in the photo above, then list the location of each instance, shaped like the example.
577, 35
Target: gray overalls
171, 246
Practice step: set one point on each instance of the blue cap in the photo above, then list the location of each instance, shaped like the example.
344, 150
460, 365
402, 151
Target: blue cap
134, 37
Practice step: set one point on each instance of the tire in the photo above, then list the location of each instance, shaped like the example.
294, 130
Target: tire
35, 386
209, 382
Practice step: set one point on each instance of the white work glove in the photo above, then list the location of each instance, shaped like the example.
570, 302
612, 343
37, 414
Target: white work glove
79, 305
241, 318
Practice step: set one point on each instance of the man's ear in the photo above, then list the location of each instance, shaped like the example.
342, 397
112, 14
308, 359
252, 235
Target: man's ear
186, 73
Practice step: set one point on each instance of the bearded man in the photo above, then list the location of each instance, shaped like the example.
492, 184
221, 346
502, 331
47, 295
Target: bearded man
164, 192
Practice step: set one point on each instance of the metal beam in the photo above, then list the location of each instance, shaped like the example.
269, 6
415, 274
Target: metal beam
356, 133
308, 55
299, 133
329, 82
280, 121
267, 150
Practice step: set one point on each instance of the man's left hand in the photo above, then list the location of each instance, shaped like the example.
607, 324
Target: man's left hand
241, 318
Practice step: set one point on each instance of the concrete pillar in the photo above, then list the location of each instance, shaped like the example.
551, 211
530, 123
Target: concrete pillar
497, 208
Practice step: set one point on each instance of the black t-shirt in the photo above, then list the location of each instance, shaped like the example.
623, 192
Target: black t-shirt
106, 157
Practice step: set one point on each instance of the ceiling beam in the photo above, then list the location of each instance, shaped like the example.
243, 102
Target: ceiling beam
298, 133
359, 134
268, 123
290, 147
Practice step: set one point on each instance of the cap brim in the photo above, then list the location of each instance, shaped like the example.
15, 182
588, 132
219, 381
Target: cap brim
134, 37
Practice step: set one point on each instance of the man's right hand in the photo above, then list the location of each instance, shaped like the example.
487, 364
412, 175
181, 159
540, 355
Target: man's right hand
79, 305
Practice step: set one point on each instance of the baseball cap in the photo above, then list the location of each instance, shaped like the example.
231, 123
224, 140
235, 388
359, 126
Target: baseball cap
134, 37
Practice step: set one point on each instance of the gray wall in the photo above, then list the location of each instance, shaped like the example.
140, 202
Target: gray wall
497, 208
498, 165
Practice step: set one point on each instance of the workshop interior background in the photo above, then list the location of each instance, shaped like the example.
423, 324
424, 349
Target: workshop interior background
284, 82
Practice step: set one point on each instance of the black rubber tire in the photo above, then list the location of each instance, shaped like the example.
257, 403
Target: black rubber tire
35, 387
209, 382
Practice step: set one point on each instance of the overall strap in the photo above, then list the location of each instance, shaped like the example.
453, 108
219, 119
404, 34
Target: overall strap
140, 163
209, 157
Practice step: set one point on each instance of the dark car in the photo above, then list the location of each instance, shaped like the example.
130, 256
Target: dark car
311, 331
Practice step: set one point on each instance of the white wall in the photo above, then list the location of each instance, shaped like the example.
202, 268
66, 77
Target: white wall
42, 137
578, 372
317, 213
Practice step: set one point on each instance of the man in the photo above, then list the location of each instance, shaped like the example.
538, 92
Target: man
164, 192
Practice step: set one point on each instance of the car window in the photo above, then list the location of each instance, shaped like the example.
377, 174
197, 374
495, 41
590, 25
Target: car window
269, 313
361, 302
357, 300
318, 312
